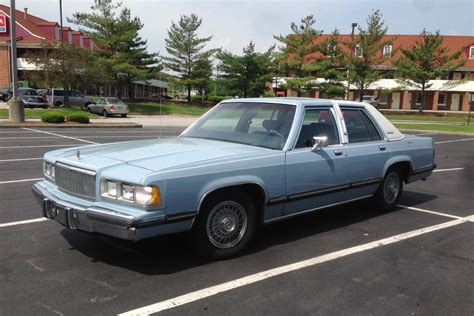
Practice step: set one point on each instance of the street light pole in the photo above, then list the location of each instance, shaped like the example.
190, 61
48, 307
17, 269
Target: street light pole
354, 25
61, 21
17, 111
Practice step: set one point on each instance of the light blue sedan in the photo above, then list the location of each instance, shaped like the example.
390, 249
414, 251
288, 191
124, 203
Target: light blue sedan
246, 162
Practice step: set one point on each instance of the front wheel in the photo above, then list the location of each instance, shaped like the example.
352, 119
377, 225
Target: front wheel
390, 190
104, 113
124, 115
225, 225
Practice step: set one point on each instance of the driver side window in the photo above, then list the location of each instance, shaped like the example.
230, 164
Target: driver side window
317, 122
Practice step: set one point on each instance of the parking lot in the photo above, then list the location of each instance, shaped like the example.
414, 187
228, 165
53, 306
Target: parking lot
352, 259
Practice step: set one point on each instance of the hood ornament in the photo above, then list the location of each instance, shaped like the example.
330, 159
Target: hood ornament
78, 154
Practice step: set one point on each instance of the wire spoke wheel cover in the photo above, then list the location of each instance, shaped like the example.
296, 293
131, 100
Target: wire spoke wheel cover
226, 224
391, 187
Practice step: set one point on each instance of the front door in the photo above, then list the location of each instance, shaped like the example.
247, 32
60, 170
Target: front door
316, 178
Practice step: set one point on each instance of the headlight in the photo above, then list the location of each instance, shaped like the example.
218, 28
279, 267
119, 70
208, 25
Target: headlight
49, 170
137, 194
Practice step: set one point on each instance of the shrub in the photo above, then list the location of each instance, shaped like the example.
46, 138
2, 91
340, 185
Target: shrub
197, 98
269, 94
78, 117
52, 117
216, 98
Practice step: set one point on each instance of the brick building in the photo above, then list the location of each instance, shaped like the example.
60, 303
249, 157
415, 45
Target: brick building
452, 92
32, 33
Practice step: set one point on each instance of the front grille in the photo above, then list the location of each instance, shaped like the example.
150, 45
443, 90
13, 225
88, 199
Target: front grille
76, 181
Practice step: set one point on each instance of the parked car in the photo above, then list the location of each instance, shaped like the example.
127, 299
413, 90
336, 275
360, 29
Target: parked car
4, 94
34, 101
55, 97
244, 163
109, 106
43, 93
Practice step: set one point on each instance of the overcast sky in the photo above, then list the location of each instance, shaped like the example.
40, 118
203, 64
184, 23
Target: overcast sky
234, 23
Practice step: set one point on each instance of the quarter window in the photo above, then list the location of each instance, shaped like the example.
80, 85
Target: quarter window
317, 122
359, 127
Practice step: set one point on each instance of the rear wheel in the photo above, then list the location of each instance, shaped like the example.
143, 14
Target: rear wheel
124, 115
390, 190
225, 225
58, 104
104, 113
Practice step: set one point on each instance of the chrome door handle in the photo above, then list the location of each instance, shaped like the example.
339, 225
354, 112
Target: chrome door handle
338, 152
381, 147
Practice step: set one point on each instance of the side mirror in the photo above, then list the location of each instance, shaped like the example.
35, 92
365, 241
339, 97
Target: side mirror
319, 142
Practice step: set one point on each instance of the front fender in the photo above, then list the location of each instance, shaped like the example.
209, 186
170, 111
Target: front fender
230, 182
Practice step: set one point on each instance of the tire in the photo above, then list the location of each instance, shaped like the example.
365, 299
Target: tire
57, 104
225, 225
124, 115
390, 190
104, 113
89, 109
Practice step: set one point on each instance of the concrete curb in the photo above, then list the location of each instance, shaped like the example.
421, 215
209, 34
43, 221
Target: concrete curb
71, 125
424, 131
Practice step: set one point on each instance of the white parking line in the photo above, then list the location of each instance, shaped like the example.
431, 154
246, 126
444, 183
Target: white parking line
450, 169
21, 180
40, 146
59, 135
428, 211
20, 159
89, 137
28, 221
260, 276
454, 141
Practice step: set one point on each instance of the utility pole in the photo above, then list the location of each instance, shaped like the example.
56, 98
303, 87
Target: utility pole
17, 110
354, 25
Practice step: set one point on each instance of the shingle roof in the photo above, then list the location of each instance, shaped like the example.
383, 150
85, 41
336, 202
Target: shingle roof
453, 42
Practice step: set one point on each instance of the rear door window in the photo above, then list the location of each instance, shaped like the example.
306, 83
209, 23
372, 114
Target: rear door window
359, 126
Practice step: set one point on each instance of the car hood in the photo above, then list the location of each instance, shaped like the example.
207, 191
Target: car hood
165, 154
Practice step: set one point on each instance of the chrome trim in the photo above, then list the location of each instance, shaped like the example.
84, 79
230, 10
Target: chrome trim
86, 171
76, 181
313, 209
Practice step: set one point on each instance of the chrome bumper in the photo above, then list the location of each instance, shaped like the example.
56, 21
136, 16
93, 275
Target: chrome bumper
92, 219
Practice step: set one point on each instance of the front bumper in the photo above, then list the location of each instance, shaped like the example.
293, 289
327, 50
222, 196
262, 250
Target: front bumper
96, 219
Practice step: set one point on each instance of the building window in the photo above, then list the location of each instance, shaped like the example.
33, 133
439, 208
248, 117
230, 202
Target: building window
471, 52
56, 33
442, 99
387, 50
331, 50
358, 51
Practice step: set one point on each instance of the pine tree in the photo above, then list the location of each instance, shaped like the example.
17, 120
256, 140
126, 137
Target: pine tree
426, 60
367, 52
295, 51
121, 51
186, 49
248, 74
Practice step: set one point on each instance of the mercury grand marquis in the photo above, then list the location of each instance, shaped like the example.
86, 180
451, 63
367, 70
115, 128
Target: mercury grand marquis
244, 163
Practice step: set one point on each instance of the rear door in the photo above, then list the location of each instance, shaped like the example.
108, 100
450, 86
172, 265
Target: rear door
367, 152
316, 178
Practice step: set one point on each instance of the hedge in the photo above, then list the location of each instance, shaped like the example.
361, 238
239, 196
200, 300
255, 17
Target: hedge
216, 98
78, 117
52, 117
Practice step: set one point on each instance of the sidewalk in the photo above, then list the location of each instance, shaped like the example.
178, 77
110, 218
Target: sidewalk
143, 120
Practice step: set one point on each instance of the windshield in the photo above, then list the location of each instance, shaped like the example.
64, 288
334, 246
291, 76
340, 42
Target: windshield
259, 124
27, 92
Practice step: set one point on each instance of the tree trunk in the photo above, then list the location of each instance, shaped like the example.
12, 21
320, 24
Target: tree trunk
361, 93
66, 97
422, 103
189, 93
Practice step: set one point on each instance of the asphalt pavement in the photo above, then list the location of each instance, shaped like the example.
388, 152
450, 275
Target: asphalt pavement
353, 259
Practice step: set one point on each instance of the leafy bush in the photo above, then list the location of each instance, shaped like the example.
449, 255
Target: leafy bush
197, 98
52, 117
78, 117
216, 98
269, 94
